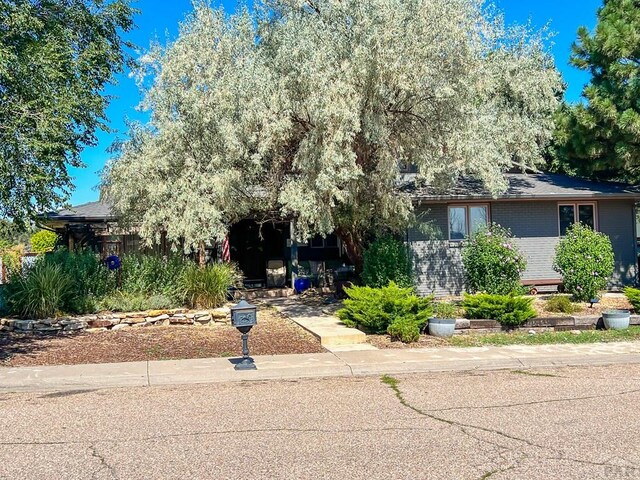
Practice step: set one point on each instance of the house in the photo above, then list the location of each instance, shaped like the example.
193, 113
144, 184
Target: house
253, 245
537, 208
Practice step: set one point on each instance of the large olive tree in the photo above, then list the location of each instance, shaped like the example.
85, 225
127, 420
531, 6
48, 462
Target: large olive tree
307, 109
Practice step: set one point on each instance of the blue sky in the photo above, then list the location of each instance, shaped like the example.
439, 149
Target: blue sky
160, 18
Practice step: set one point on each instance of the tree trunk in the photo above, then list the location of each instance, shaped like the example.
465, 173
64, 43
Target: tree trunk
202, 256
354, 246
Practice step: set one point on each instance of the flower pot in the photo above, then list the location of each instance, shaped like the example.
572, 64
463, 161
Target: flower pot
616, 319
442, 327
301, 284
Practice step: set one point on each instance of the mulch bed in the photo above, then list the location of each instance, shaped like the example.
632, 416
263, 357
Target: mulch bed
274, 335
607, 302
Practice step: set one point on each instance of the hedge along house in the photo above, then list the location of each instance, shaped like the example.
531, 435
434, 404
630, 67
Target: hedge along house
538, 209
253, 246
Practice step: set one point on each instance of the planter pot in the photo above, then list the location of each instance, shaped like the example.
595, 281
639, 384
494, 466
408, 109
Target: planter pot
442, 327
301, 284
616, 319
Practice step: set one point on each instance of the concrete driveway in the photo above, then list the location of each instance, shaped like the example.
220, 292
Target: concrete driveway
562, 423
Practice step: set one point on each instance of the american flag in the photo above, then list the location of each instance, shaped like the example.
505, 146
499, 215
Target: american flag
226, 254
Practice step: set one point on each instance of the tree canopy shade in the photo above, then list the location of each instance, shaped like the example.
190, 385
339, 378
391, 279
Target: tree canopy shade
601, 137
307, 110
55, 59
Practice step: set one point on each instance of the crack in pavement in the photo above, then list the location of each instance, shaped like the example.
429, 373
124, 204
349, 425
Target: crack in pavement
393, 383
222, 432
103, 463
537, 402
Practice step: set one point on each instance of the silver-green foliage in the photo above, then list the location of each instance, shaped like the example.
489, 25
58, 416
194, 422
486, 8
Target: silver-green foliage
306, 109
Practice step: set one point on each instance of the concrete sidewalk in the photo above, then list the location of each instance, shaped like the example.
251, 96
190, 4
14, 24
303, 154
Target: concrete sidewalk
350, 363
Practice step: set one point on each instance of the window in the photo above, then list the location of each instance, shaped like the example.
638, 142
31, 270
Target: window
466, 219
330, 241
570, 213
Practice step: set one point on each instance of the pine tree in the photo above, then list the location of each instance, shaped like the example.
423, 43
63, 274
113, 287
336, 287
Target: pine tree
601, 137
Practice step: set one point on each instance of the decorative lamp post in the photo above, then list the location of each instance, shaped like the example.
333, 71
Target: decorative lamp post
244, 317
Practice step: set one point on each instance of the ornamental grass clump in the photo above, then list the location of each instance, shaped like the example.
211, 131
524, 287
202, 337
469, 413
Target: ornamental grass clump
560, 304
585, 260
510, 310
44, 290
492, 262
391, 309
208, 287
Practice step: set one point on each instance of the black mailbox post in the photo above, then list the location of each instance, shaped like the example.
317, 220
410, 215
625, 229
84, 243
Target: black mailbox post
243, 317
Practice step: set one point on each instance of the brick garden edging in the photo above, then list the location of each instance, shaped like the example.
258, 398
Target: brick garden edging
538, 324
117, 321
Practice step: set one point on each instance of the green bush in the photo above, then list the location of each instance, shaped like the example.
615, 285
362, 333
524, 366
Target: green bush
92, 280
376, 309
43, 291
445, 310
492, 262
633, 295
405, 329
387, 260
152, 274
135, 302
585, 260
509, 310
207, 287
560, 304
43, 241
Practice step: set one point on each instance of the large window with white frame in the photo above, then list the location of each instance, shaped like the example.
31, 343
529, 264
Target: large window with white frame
466, 219
570, 213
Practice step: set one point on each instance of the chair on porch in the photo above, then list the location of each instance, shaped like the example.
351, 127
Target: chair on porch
276, 274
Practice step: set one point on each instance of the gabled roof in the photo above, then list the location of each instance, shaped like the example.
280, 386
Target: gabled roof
544, 186
87, 211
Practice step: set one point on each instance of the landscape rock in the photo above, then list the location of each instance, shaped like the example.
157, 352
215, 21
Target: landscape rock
157, 313
135, 320
23, 324
221, 312
99, 323
96, 330
159, 318
120, 326
77, 325
203, 317
136, 314
180, 321
532, 332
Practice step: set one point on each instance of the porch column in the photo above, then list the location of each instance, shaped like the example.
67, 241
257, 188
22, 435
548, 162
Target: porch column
294, 253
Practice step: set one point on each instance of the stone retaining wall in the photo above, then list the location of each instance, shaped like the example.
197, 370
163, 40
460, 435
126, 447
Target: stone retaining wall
118, 321
538, 324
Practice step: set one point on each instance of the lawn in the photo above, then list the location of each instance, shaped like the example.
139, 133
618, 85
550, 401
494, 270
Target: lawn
523, 338
273, 335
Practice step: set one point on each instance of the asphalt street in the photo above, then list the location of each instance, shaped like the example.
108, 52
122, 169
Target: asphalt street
563, 423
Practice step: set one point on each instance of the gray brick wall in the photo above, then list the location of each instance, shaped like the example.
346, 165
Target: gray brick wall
438, 264
616, 218
535, 228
